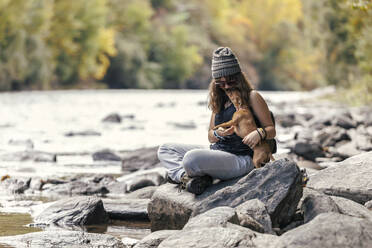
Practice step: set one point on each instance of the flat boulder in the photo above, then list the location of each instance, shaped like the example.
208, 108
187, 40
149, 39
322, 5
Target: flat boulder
143, 158
224, 237
154, 239
29, 155
83, 210
143, 178
329, 230
127, 209
215, 217
62, 238
313, 205
105, 155
277, 185
350, 178
75, 188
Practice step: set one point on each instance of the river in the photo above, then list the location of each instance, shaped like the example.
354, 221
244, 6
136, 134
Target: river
41, 121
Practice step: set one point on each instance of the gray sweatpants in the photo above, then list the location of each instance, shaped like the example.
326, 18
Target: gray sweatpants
200, 160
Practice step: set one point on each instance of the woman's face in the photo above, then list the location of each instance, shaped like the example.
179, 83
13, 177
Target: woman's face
227, 84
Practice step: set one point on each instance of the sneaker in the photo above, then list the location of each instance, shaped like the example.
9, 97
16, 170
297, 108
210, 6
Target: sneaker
170, 180
197, 185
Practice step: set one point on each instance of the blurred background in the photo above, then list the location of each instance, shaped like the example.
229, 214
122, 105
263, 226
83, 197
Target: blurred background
167, 44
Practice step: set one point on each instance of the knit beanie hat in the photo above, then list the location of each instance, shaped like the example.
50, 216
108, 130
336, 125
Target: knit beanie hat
224, 63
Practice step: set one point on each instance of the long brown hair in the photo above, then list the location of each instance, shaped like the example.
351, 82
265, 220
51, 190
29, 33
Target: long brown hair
217, 96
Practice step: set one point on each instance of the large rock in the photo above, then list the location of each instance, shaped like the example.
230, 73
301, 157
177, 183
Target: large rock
83, 210
219, 216
308, 150
154, 239
219, 237
144, 158
143, 178
351, 179
329, 230
62, 238
277, 185
130, 209
256, 210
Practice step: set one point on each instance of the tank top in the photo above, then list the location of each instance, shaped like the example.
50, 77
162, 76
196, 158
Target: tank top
232, 143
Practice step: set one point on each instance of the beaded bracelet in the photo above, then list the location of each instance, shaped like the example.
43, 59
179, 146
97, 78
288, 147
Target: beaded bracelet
265, 134
259, 133
217, 135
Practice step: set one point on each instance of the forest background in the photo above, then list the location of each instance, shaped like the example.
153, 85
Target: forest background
152, 44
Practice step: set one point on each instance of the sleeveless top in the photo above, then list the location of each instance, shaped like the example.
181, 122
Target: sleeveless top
232, 143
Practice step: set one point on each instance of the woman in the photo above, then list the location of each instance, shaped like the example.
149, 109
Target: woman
229, 156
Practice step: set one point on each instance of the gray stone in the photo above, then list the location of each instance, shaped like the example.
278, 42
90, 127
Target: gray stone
144, 178
117, 188
114, 118
345, 121
215, 217
329, 136
313, 205
277, 185
351, 208
144, 193
29, 155
344, 150
351, 179
308, 150
62, 238
105, 155
329, 230
154, 239
127, 209
368, 205
82, 133
15, 185
144, 158
75, 188
83, 210
129, 242
257, 210
286, 120
185, 125
27, 143
219, 237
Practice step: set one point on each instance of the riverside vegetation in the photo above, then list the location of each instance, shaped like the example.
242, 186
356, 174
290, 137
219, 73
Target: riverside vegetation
269, 207
167, 43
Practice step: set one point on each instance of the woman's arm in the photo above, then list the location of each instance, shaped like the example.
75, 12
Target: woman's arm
211, 137
262, 112
220, 131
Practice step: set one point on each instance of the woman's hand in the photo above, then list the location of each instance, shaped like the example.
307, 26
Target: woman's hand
252, 139
225, 132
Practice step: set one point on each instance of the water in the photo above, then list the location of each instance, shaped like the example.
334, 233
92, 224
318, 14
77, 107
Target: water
45, 117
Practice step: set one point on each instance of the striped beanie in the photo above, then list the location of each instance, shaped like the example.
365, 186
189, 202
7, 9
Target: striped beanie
224, 63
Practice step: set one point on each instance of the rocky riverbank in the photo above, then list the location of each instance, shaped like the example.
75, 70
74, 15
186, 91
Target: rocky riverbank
269, 207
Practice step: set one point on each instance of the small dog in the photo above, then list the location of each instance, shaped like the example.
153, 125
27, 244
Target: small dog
243, 123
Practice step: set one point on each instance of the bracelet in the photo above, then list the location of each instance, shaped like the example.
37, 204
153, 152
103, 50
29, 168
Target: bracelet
217, 135
264, 132
259, 133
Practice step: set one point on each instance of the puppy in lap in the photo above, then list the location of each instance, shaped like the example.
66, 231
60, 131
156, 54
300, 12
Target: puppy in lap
243, 123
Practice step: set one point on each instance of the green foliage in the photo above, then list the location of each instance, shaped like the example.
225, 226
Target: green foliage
281, 44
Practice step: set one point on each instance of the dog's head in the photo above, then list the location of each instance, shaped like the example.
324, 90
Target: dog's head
234, 96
